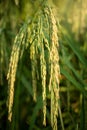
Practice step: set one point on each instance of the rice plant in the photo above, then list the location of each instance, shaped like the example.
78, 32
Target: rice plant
40, 36
32, 73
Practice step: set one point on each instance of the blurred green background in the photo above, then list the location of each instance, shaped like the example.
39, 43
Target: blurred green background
27, 114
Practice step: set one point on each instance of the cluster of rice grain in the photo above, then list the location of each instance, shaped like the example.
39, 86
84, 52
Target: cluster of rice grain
41, 36
54, 68
16, 54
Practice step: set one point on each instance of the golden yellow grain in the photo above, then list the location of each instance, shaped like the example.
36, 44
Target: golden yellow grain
43, 49
43, 77
12, 71
54, 68
33, 66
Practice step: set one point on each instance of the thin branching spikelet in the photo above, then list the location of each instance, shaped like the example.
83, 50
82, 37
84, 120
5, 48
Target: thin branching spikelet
17, 51
34, 65
54, 68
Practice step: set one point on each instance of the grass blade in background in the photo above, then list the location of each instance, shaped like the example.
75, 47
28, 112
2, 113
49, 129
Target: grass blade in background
73, 45
73, 81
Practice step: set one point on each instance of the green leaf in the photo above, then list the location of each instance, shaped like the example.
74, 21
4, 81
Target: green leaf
73, 81
77, 76
35, 112
73, 45
26, 85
